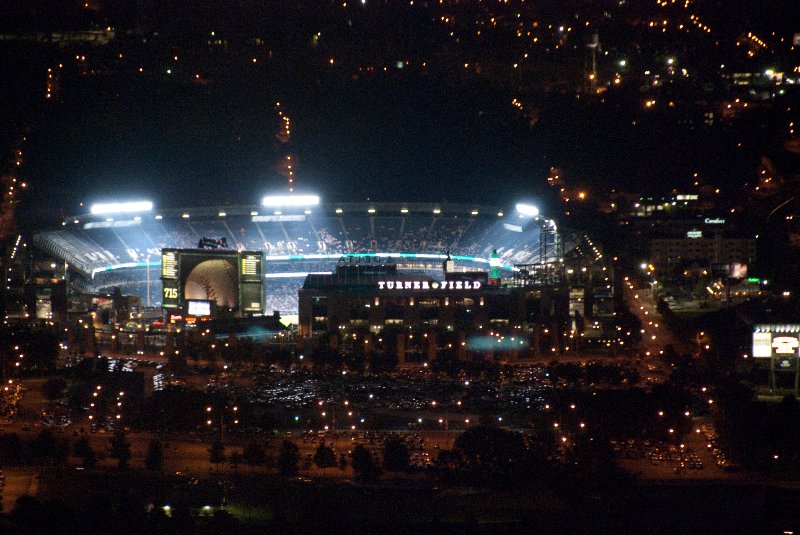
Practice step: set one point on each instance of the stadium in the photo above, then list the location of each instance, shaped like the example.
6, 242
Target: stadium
120, 245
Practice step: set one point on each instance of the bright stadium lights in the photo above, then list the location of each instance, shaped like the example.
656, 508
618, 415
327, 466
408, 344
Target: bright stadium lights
121, 207
277, 201
527, 209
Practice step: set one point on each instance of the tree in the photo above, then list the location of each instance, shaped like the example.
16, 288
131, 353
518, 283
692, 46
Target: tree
324, 457
29, 513
54, 388
216, 453
253, 454
154, 460
492, 450
363, 464
288, 458
42, 350
11, 449
44, 446
120, 448
61, 452
83, 450
236, 458
395, 455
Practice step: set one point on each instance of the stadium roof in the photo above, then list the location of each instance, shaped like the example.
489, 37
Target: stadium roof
384, 208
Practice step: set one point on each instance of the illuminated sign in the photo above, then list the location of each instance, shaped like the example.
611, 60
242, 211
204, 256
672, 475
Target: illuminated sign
780, 341
785, 345
250, 266
714, 221
170, 293
762, 345
360, 260
687, 197
694, 234
429, 285
738, 270
169, 265
277, 218
199, 308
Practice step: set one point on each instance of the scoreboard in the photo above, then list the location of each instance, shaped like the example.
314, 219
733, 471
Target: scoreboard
226, 279
170, 279
251, 282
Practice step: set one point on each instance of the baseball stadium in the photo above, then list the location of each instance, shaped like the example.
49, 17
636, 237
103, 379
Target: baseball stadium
119, 245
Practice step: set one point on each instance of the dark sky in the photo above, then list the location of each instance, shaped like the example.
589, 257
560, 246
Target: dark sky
411, 134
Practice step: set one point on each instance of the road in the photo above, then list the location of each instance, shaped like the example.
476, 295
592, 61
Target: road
656, 333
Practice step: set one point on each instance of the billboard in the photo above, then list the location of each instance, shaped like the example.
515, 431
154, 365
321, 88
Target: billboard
779, 342
224, 279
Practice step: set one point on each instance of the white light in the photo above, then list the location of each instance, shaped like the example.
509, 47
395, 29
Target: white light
290, 200
527, 209
121, 207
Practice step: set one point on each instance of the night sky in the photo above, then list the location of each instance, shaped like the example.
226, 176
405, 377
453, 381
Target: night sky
431, 134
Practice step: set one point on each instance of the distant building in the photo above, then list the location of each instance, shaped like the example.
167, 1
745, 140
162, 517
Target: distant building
703, 247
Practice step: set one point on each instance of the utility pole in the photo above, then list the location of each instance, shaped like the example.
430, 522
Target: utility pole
593, 45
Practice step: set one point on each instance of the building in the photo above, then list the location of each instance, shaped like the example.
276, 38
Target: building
703, 247
460, 310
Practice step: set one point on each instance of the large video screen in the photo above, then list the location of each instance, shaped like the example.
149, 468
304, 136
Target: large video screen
210, 278
217, 277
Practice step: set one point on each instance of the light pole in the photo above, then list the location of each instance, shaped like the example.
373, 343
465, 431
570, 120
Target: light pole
235, 410
147, 261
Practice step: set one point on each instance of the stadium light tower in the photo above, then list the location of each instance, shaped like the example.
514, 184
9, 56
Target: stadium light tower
121, 207
282, 201
527, 209
549, 243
